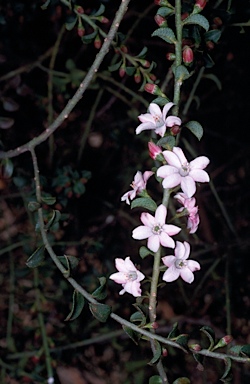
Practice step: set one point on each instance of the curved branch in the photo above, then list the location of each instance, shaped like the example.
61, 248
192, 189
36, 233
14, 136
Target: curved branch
80, 91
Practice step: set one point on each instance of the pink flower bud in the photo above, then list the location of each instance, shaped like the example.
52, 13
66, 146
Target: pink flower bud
217, 21
79, 9
155, 325
154, 150
161, 21
104, 20
227, 339
163, 2
199, 5
152, 77
124, 48
164, 352
122, 72
153, 89
170, 56
97, 42
210, 45
80, 31
195, 347
174, 130
187, 55
137, 78
145, 63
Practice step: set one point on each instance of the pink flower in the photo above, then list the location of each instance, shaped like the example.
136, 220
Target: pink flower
138, 184
128, 276
157, 120
178, 265
180, 172
191, 211
155, 230
155, 152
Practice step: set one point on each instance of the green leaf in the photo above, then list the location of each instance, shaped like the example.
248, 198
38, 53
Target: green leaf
114, 67
6, 168
100, 11
236, 350
142, 53
88, 38
182, 380
99, 293
167, 142
144, 202
130, 70
157, 353
209, 332
227, 376
100, 311
155, 380
199, 359
49, 200
33, 206
36, 258
213, 35
161, 101
181, 73
55, 217
144, 252
77, 306
69, 262
182, 340
165, 11
174, 331
133, 335
197, 19
195, 128
165, 34
138, 317
245, 350
70, 23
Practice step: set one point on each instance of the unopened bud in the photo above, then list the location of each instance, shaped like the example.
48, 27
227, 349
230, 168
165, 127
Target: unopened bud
79, 9
122, 71
145, 63
175, 129
104, 20
224, 341
164, 352
137, 78
163, 2
124, 48
155, 325
170, 56
195, 347
187, 55
217, 21
154, 150
152, 77
210, 45
199, 6
161, 21
153, 89
80, 31
97, 42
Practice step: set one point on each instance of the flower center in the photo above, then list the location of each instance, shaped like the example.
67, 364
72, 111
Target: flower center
179, 263
157, 229
184, 170
131, 275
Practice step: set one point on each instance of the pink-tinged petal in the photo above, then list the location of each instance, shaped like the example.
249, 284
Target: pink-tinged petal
120, 265
186, 250
166, 240
193, 223
171, 229
160, 214
153, 243
140, 276
193, 265
179, 152
187, 275
129, 265
122, 292
200, 162
161, 130
138, 179
171, 274
179, 250
126, 196
166, 109
166, 170
147, 219
141, 232
180, 197
172, 159
154, 109
199, 175
143, 127
146, 175
118, 277
168, 260
188, 185
135, 289
146, 117
172, 120
172, 181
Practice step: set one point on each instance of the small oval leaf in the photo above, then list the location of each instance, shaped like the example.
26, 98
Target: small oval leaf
198, 20
165, 34
100, 311
195, 128
36, 258
157, 353
77, 306
144, 202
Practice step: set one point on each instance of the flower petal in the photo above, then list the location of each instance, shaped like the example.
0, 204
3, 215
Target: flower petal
147, 219
187, 275
161, 130
171, 274
129, 265
166, 109
118, 277
153, 243
188, 185
172, 181
143, 127
166, 240
166, 170
141, 232
193, 265
172, 159
199, 175
172, 120
200, 162
154, 109
160, 214
146, 117
171, 229
179, 152
168, 260
179, 250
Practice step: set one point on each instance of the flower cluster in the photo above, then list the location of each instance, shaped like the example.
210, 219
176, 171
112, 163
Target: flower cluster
175, 172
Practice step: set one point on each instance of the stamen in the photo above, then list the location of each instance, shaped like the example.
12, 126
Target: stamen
179, 263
